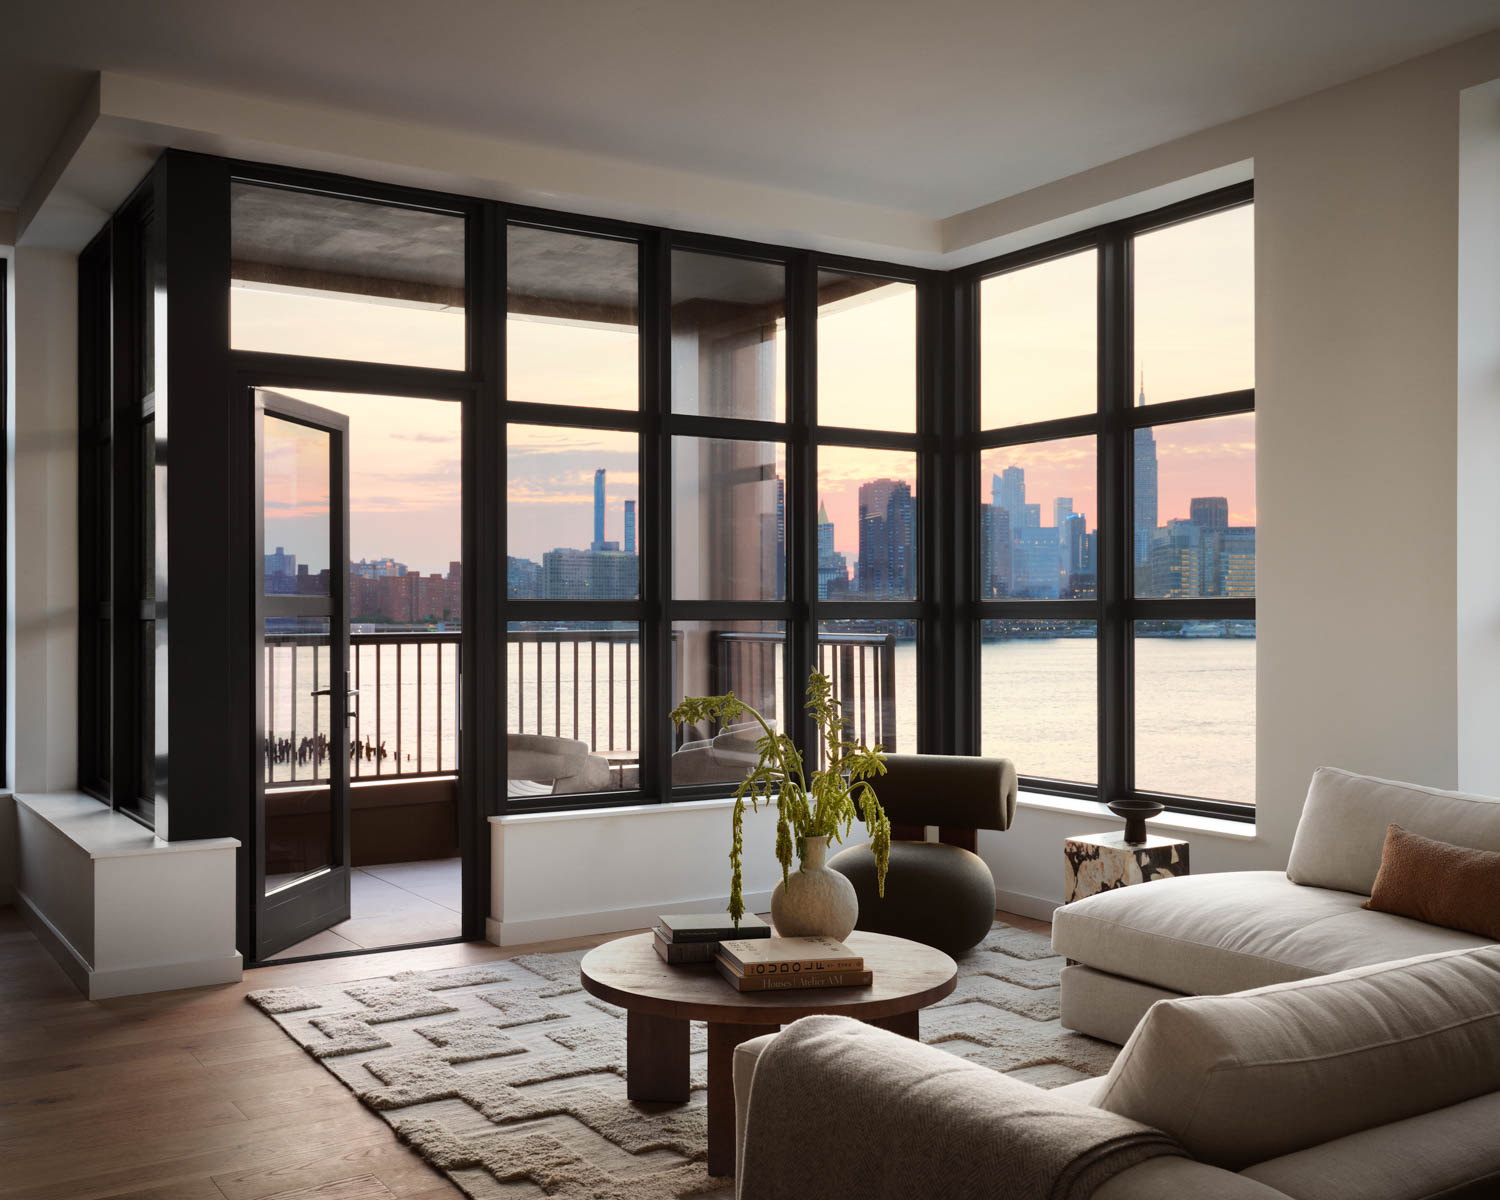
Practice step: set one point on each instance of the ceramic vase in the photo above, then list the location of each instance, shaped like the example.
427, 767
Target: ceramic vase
814, 901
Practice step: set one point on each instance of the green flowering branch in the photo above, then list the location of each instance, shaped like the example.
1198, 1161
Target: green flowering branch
827, 806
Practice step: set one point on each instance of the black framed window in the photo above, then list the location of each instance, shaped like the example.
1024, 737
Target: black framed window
120, 291
1114, 448
576, 526
706, 464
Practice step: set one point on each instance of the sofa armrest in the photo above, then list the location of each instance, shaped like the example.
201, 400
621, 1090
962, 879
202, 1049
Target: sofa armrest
1150, 1180
745, 1056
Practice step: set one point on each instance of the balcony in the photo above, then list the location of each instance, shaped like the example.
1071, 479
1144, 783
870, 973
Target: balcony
573, 719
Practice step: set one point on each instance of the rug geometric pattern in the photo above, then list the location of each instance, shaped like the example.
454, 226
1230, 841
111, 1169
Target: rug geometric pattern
510, 1079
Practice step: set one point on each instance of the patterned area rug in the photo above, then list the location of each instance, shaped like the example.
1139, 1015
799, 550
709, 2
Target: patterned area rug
510, 1079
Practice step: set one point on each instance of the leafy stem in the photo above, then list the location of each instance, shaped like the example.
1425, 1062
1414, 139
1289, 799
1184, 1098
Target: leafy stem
825, 806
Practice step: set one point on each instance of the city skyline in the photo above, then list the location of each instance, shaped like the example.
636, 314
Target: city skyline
1194, 330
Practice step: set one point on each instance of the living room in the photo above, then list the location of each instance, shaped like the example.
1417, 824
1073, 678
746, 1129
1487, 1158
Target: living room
1099, 397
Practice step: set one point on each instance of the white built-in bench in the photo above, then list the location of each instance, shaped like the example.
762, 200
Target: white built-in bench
123, 911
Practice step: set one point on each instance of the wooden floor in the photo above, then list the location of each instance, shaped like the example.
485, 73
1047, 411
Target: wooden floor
194, 1095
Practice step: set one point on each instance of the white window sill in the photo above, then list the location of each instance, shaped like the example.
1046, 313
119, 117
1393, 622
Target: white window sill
1181, 822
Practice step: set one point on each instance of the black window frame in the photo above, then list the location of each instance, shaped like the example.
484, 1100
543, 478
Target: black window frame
117, 481
946, 442
1115, 608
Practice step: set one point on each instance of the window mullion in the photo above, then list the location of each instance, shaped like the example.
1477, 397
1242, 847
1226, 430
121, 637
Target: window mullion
1115, 682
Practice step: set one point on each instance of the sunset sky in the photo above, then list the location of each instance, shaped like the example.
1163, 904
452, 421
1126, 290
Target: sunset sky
1194, 324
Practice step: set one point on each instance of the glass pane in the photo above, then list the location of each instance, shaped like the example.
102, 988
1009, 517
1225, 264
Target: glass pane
405, 581
1039, 697
571, 513
710, 658
1038, 535
728, 519
343, 278
867, 352
296, 514
728, 337
1195, 709
297, 753
867, 517
405, 510
873, 666
573, 707
571, 319
1038, 332
1195, 307
1195, 508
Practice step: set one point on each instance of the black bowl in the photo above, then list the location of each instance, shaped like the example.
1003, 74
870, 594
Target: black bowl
1135, 814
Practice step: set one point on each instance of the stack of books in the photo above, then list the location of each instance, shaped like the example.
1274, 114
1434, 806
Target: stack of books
776, 964
695, 937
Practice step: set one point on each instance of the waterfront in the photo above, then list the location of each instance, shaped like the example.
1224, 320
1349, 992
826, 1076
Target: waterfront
1195, 708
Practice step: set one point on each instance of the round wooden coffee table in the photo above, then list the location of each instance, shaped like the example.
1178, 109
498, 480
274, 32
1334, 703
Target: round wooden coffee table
659, 1001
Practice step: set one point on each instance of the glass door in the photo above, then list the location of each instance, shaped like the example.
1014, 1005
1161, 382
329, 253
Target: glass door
301, 819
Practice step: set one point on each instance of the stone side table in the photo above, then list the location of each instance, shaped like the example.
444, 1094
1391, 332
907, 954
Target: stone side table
1099, 862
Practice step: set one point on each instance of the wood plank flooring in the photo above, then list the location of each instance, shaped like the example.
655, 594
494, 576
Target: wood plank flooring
194, 1095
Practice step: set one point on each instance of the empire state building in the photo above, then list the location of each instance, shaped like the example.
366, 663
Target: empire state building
1145, 485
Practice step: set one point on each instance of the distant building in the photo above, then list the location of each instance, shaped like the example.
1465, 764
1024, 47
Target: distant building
1001, 545
1209, 512
1174, 563
1236, 562
833, 567
589, 575
1035, 562
407, 598
523, 578
630, 527
887, 540
598, 542
1145, 516
379, 568
1076, 553
281, 563
1008, 491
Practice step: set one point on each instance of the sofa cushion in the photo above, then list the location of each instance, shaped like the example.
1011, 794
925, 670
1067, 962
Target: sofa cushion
1451, 1152
1342, 830
1210, 934
1241, 1079
1439, 883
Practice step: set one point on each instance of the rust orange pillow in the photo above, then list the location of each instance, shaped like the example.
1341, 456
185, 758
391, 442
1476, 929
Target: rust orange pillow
1442, 884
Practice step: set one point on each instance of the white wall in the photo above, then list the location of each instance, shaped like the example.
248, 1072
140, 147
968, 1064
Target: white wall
45, 543
1478, 499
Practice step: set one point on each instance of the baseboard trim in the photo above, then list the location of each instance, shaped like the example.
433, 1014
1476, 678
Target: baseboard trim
166, 977
1024, 905
613, 920
74, 965
125, 981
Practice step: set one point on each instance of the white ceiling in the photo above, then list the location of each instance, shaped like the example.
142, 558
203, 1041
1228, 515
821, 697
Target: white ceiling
928, 106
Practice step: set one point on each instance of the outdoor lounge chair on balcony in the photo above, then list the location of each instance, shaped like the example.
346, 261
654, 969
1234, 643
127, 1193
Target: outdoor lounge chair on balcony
540, 765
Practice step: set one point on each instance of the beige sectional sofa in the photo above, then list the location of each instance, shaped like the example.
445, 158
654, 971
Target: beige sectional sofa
1380, 1083
1304, 1048
1212, 934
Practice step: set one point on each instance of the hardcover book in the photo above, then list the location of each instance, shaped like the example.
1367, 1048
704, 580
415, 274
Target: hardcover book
710, 927
680, 953
789, 956
798, 981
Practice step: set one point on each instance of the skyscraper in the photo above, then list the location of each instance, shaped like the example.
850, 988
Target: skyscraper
1062, 509
598, 543
887, 539
1209, 512
833, 568
1144, 527
1008, 491
630, 527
